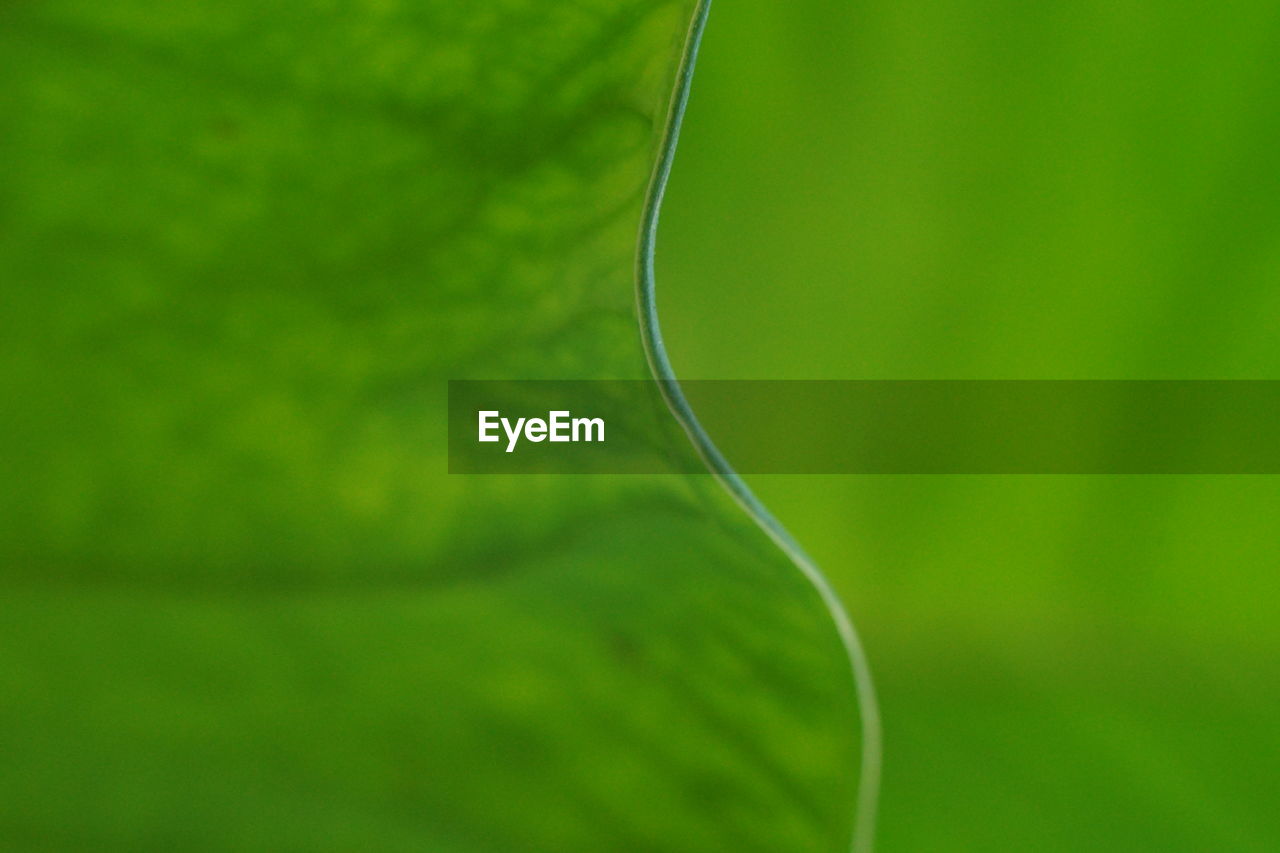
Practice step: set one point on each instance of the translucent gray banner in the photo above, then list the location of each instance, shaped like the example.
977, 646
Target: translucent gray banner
870, 427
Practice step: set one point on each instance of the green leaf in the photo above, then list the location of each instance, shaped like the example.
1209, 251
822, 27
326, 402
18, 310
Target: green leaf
242, 247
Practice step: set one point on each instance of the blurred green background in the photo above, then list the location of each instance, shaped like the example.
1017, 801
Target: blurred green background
1013, 190
242, 247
